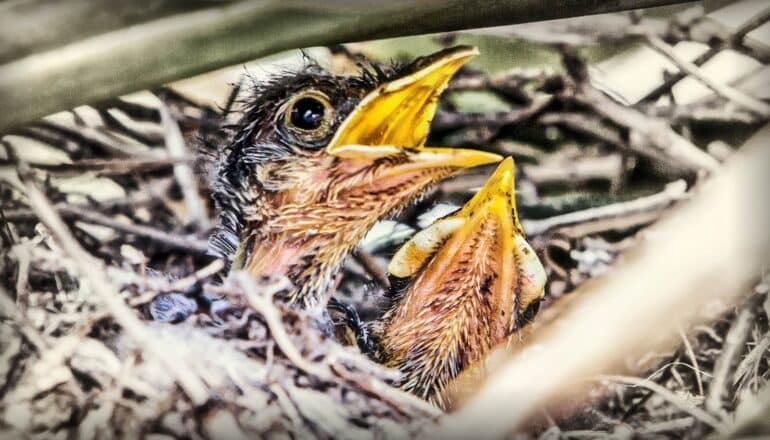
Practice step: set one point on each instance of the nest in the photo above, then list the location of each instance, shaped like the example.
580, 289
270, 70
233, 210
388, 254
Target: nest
84, 353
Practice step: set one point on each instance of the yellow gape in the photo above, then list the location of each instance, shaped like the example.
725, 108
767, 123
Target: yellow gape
472, 274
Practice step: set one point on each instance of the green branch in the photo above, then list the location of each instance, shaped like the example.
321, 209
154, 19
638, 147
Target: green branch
114, 60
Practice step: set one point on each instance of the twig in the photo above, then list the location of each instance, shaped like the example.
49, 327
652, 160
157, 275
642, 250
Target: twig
610, 216
180, 285
668, 425
264, 306
201, 274
573, 171
21, 323
288, 406
754, 357
702, 112
736, 40
504, 81
110, 167
751, 24
586, 124
393, 397
370, 265
445, 121
669, 82
693, 359
189, 244
183, 173
735, 343
723, 90
99, 139
649, 136
93, 272
151, 196
677, 401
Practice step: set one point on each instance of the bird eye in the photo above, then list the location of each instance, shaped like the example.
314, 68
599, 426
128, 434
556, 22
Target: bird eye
309, 112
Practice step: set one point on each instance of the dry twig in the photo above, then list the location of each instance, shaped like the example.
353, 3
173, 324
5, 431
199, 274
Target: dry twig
723, 90
680, 403
615, 216
733, 346
175, 144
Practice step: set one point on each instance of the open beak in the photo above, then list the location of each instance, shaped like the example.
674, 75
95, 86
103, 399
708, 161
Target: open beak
395, 118
470, 278
483, 240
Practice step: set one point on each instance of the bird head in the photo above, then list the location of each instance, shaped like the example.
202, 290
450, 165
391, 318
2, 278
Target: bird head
470, 280
319, 158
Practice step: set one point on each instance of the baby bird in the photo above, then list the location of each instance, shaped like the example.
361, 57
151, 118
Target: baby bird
319, 158
471, 280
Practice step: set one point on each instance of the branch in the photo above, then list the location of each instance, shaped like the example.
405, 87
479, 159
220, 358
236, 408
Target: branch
155, 52
618, 214
88, 215
372, 268
735, 342
183, 172
649, 136
189, 244
675, 399
55, 20
722, 90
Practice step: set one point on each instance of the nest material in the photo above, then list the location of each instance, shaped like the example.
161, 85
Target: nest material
71, 365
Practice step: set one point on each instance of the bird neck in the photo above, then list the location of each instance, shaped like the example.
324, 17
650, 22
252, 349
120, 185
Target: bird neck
309, 264
309, 254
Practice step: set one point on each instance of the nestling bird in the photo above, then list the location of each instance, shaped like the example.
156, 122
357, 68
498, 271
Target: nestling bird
471, 281
319, 158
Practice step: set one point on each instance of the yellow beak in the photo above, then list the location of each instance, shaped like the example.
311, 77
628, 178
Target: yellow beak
471, 276
395, 118
438, 245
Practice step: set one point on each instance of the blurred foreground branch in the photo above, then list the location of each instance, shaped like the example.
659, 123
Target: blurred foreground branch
150, 53
676, 276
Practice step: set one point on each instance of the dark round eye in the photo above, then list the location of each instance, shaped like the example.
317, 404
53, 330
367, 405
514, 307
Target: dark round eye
308, 113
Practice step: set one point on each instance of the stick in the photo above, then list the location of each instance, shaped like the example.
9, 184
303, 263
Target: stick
452, 120
735, 342
183, 173
264, 306
677, 401
736, 41
372, 268
143, 56
21, 323
109, 167
693, 359
722, 90
189, 244
596, 219
650, 137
